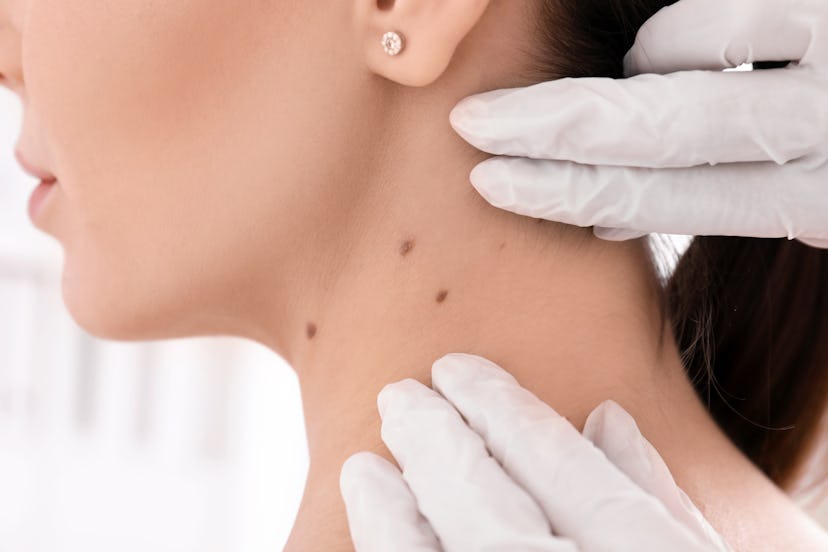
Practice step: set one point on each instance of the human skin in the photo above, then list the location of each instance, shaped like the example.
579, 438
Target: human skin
264, 169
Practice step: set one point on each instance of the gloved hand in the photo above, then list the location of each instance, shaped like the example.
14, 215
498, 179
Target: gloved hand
633, 156
544, 488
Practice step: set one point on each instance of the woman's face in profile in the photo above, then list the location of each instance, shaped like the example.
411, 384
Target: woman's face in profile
190, 140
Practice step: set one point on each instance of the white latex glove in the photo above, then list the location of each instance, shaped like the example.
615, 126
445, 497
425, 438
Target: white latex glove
514, 476
633, 156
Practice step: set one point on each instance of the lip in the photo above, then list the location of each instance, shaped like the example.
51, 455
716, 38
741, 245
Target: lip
32, 170
38, 198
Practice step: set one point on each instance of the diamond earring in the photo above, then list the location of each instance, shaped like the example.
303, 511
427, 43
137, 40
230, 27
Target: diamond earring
393, 43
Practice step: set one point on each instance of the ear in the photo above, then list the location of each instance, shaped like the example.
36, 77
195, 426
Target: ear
431, 30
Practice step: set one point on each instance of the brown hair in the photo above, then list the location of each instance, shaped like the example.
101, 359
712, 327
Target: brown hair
749, 315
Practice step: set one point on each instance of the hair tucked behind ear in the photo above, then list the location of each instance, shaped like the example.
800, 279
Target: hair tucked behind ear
749, 315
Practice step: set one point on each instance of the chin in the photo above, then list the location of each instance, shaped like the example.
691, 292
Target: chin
121, 315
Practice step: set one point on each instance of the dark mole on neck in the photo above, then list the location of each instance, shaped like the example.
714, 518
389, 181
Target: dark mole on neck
310, 330
406, 246
441, 295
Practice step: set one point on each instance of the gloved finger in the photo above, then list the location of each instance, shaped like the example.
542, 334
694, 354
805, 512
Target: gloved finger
679, 120
614, 431
617, 234
382, 512
716, 34
758, 199
564, 472
468, 499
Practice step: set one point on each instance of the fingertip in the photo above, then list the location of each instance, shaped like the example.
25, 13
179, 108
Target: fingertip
471, 119
447, 371
479, 177
397, 393
382, 400
463, 115
610, 422
451, 361
596, 420
616, 415
471, 113
457, 369
352, 470
491, 180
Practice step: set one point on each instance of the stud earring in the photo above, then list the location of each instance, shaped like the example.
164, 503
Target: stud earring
393, 43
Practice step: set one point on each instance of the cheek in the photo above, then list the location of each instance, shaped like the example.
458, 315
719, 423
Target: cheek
136, 102
131, 86
170, 121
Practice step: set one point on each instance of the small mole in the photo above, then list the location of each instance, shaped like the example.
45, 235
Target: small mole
406, 247
441, 295
503, 246
310, 330
540, 221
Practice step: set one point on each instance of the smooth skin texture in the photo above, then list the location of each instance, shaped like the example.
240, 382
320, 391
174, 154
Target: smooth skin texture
253, 168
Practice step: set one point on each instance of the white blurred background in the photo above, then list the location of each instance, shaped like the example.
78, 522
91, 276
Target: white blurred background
182, 446
190, 445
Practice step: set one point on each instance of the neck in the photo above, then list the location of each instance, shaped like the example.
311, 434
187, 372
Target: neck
427, 268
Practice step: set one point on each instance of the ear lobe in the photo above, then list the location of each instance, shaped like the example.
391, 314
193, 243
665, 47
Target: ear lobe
431, 30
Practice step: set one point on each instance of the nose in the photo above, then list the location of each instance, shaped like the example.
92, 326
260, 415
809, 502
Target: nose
11, 70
